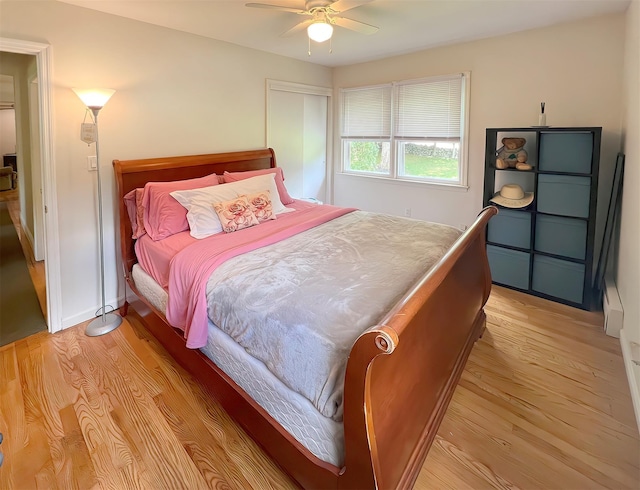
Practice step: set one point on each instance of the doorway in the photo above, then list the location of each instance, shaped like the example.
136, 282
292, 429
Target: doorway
42, 167
22, 278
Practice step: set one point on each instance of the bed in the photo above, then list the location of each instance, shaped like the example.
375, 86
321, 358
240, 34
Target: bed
399, 374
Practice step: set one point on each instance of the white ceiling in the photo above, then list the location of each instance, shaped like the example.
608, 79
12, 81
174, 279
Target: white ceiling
405, 25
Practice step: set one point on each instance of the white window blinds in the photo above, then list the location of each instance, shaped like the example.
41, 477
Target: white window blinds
407, 130
429, 109
366, 112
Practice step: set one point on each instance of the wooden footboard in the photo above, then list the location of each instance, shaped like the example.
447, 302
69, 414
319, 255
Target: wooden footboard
400, 374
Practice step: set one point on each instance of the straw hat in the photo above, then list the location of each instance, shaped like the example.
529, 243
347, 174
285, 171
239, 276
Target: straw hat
512, 196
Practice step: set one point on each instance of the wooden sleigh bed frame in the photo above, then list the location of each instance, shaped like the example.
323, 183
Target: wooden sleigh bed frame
400, 376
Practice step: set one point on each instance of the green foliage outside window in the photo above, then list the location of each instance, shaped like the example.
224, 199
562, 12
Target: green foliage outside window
365, 156
431, 160
432, 167
420, 160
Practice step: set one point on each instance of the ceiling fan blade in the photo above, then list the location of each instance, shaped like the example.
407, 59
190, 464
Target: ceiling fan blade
344, 5
275, 7
354, 25
301, 26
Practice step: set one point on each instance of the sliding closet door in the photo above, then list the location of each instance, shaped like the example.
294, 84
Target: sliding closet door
297, 131
315, 147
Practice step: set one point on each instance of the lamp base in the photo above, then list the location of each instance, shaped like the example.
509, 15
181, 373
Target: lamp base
103, 324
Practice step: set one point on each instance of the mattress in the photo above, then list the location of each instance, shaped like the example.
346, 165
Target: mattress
321, 435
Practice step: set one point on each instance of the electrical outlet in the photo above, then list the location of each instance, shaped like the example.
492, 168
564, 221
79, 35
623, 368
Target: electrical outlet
407, 212
92, 163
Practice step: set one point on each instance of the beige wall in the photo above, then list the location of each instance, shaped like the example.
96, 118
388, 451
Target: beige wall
575, 68
7, 131
176, 94
628, 277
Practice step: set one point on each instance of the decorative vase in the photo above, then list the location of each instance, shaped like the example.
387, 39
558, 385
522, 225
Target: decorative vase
542, 119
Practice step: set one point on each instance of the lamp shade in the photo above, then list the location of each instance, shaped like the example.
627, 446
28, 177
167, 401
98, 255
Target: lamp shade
94, 98
320, 31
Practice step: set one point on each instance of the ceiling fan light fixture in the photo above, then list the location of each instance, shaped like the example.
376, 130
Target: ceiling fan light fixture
320, 31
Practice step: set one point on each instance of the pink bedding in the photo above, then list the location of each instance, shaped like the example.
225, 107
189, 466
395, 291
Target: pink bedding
155, 256
191, 267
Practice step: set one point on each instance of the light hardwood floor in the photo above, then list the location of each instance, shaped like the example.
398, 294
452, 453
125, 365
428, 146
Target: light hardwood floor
543, 403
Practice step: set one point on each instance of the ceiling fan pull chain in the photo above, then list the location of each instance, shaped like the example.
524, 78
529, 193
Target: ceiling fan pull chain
330, 45
309, 39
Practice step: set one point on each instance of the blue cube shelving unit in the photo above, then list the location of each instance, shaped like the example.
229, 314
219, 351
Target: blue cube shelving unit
547, 248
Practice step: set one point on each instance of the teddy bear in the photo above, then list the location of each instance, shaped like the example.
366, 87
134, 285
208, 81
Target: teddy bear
512, 154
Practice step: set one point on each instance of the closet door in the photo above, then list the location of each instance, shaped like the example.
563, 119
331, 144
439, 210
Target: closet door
297, 128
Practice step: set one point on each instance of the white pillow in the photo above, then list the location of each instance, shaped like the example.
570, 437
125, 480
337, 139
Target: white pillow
202, 217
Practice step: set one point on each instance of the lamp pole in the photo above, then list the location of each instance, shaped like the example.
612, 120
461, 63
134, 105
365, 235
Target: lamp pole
95, 111
106, 322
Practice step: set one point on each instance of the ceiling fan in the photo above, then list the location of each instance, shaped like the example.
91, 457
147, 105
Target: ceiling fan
324, 14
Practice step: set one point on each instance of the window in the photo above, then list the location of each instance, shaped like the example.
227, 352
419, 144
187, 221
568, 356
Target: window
412, 130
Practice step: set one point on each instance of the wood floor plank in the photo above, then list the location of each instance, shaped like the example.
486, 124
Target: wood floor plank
238, 446
158, 445
542, 404
7, 364
570, 398
476, 425
112, 477
573, 377
554, 418
211, 459
137, 359
11, 412
469, 472
599, 357
598, 471
257, 468
45, 478
468, 435
83, 473
177, 412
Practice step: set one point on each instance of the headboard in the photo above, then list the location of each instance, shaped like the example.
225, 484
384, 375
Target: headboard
131, 174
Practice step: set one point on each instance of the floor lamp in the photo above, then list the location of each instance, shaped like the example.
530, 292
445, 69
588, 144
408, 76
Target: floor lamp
95, 99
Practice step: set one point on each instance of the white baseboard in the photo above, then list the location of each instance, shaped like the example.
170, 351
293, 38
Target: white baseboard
630, 352
612, 307
27, 232
74, 320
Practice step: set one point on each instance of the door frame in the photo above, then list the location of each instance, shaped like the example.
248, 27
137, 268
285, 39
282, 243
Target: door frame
36, 175
301, 88
47, 169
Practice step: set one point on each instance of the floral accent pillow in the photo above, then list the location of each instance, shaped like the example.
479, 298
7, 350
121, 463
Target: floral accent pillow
235, 214
260, 203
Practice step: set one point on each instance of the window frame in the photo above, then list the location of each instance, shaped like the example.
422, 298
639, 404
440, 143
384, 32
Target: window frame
395, 141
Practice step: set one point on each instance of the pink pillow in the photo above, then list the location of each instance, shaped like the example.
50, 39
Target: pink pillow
235, 214
133, 203
261, 206
285, 198
163, 215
